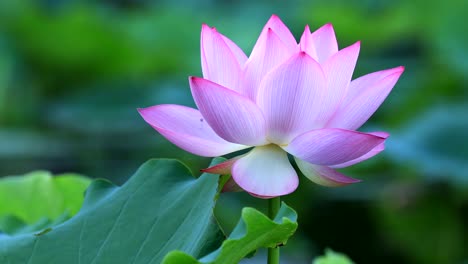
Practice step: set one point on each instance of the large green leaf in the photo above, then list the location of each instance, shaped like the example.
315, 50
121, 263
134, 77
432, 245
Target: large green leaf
38, 195
254, 230
436, 144
161, 208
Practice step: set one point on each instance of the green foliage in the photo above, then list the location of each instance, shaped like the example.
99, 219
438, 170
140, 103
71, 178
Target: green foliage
253, 231
161, 208
96, 45
421, 224
438, 135
332, 257
38, 195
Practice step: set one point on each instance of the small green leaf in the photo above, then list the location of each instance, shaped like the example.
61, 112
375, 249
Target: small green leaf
332, 257
39, 195
160, 209
254, 231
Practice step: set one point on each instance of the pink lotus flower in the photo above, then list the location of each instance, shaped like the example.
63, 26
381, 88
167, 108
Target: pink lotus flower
284, 98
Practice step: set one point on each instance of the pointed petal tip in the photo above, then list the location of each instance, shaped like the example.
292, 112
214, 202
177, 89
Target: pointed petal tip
207, 28
181, 126
302, 54
324, 175
330, 146
381, 134
223, 168
195, 79
274, 17
357, 44
327, 26
219, 170
389, 72
395, 72
351, 181
400, 69
144, 110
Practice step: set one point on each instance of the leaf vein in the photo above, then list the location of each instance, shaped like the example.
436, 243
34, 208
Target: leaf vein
173, 234
33, 250
122, 209
81, 238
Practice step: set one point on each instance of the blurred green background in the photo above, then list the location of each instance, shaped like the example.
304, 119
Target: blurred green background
72, 74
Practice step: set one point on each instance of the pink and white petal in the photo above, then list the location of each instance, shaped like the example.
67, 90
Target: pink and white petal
358, 86
332, 146
290, 98
338, 71
185, 128
233, 117
281, 30
321, 44
236, 51
270, 53
379, 148
365, 95
306, 43
219, 63
324, 175
265, 172
325, 43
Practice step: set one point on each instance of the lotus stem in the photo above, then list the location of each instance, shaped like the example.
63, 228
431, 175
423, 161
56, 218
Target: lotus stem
273, 208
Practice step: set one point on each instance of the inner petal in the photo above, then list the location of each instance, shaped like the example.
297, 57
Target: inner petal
265, 172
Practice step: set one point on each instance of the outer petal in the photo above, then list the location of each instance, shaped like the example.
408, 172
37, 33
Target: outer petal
185, 127
338, 70
269, 52
379, 148
324, 175
321, 44
365, 95
265, 172
223, 168
232, 116
291, 96
220, 61
332, 146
